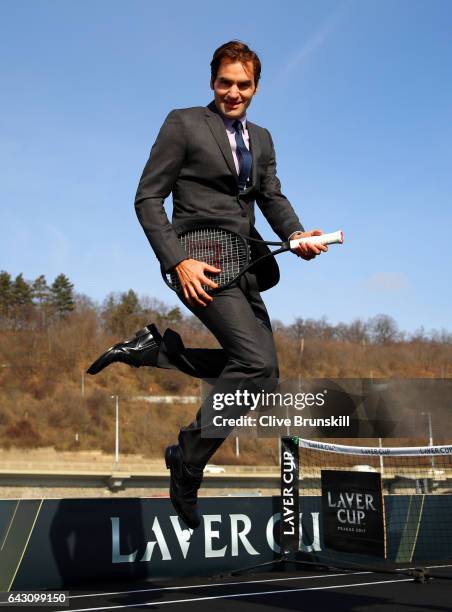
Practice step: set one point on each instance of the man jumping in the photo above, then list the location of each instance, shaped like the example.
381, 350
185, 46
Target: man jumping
216, 164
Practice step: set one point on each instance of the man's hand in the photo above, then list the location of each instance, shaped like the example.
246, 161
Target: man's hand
191, 276
309, 251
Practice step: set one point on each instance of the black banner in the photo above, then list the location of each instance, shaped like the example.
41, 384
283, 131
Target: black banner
289, 525
55, 543
352, 512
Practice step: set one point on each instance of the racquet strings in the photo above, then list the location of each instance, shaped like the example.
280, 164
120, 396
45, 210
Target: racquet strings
218, 248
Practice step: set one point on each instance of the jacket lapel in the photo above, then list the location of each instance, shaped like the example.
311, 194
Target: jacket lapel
255, 150
216, 125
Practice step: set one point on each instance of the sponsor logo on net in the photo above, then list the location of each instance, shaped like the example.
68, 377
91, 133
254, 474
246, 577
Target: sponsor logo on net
351, 508
436, 450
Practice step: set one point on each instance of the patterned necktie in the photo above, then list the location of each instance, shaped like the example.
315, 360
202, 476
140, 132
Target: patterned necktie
244, 156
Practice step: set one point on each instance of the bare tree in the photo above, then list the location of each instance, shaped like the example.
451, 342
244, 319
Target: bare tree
384, 329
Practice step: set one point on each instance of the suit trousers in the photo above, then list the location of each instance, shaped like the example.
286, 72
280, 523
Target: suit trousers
238, 319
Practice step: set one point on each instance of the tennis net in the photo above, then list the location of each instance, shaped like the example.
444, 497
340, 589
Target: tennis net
384, 506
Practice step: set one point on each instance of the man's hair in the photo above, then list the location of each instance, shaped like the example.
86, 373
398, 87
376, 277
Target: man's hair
235, 51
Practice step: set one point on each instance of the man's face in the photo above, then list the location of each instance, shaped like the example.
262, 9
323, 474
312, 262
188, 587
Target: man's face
234, 88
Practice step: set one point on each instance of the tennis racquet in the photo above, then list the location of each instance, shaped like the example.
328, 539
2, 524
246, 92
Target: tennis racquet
231, 252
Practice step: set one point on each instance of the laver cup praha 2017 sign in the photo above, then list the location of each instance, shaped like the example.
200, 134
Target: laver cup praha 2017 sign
352, 512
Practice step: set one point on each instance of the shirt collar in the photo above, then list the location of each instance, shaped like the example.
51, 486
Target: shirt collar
229, 122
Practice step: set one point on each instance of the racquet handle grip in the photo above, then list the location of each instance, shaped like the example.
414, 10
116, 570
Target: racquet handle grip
331, 238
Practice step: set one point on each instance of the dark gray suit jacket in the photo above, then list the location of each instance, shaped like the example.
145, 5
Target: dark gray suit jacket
192, 159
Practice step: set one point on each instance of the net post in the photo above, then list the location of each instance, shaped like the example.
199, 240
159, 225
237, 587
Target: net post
289, 525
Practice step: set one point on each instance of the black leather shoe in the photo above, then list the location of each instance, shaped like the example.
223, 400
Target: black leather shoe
140, 350
184, 484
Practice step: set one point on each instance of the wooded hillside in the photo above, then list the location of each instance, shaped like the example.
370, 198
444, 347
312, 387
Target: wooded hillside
50, 335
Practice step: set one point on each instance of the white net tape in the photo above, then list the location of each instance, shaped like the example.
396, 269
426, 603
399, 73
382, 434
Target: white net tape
377, 451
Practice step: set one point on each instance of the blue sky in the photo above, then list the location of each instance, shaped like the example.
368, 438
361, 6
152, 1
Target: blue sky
357, 95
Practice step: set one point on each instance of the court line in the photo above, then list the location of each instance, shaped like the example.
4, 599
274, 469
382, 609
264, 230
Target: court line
215, 584
10, 524
237, 595
421, 510
26, 544
262, 580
